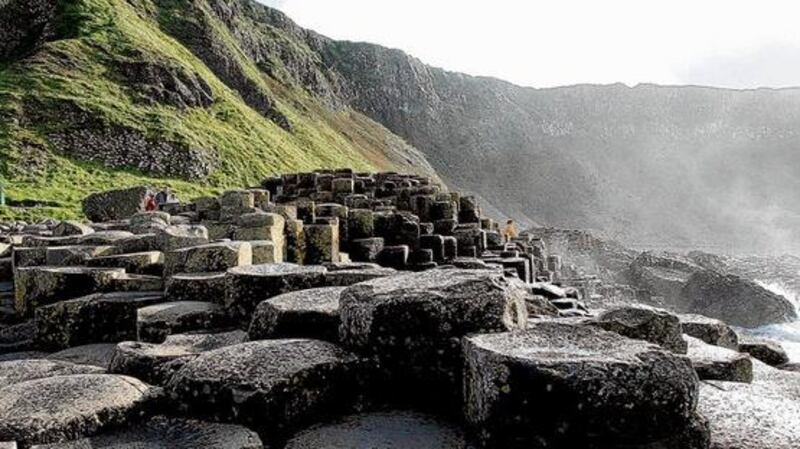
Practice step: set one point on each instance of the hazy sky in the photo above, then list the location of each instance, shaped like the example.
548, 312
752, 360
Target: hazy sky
727, 43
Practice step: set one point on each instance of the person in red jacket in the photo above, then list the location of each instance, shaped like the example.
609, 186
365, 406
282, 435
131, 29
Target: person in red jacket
150, 203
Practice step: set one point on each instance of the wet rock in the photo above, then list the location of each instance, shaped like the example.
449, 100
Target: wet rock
312, 313
562, 385
155, 322
14, 372
271, 386
645, 323
162, 432
248, 286
717, 363
98, 355
156, 363
382, 430
58, 409
709, 330
768, 351
40, 286
762, 414
97, 318
412, 324
735, 300
196, 287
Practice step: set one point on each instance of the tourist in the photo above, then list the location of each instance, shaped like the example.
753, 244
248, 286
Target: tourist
161, 197
150, 203
510, 231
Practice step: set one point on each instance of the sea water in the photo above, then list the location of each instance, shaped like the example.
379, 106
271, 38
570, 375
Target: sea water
788, 334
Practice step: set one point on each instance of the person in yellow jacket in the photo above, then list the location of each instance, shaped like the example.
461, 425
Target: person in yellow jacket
510, 231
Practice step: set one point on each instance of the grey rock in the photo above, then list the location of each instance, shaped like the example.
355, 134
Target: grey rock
196, 287
156, 363
717, 363
162, 432
71, 227
768, 351
312, 313
709, 330
212, 257
148, 262
98, 355
249, 285
40, 286
271, 386
563, 385
115, 204
645, 323
155, 322
62, 408
382, 430
17, 371
181, 236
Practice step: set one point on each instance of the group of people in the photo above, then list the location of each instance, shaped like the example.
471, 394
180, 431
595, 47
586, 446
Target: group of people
164, 196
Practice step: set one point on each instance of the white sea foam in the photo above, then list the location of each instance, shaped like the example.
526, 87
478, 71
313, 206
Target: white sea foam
787, 333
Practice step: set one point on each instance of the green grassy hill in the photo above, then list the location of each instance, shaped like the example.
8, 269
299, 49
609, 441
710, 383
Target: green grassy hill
113, 93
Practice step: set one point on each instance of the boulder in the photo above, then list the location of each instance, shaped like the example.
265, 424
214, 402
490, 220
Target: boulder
181, 236
768, 351
709, 330
71, 227
63, 408
717, 363
249, 285
98, 355
758, 415
149, 222
564, 385
40, 286
196, 287
16, 371
162, 432
412, 324
645, 323
312, 313
735, 300
155, 363
115, 204
211, 257
62, 256
155, 322
97, 318
271, 386
148, 262
381, 430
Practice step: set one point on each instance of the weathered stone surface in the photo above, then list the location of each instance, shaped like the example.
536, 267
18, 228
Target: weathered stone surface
196, 287
265, 251
162, 432
97, 318
62, 256
98, 355
709, 330
322, 243
562, 385
155, 363
149, 222
208, 258
40, 286
768, 351
645, 323
271, 386
115, 204
312, 313
382, 430
149, 262
23, 355
412, 323
366, 250
181, 236
71, 227
17, 337
14, 372
344, 274
249, 285
155, 322
58, 409
717, 363
735, 300
759, 415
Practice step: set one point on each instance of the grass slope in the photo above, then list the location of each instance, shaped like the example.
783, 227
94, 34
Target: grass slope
75, 72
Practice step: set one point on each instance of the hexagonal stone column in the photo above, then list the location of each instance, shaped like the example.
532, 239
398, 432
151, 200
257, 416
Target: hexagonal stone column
562, 385
154, 323
312, 313
40, 286
208, 258
412, 324
271, 386
248, 286
196, 287
321, 243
